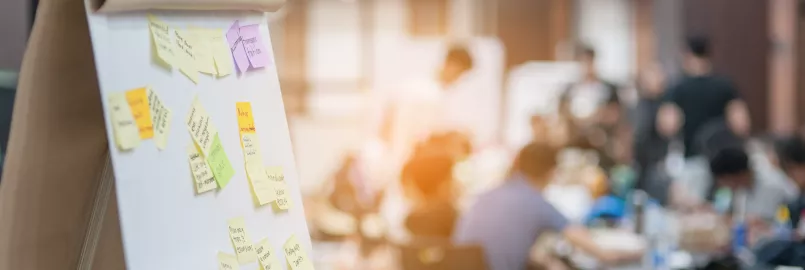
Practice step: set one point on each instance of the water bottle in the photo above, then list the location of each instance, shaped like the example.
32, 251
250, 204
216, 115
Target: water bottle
739, 228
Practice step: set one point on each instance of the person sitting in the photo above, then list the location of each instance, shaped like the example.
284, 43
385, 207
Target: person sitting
791, 158
508, 220
429, 181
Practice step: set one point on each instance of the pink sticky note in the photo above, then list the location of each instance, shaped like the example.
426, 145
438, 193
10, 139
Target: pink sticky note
236, 47
255, 49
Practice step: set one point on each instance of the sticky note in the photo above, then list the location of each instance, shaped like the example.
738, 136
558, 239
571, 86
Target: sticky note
124, 128
186, 55
283, 200
200, 127
274, 173
202, 175
262, 188
205, 63
241, 240
296, 255
138, 102
161, 118
251, 148
227, 262
236, 47
161, 46
254, 46
265, 255
219, 163
220, 53
245, 117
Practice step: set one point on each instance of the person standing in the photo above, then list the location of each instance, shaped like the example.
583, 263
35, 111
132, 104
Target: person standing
701, 99
650, 148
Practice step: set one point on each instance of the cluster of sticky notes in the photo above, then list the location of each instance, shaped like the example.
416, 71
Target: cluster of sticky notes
136, 115
262, 188
247, 47
207, 149
193, 50
245, 250
296, 256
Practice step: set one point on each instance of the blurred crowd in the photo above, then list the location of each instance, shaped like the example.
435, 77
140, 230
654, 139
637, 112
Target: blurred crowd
683, 148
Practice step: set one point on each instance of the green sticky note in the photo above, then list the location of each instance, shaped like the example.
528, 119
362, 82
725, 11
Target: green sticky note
219, 163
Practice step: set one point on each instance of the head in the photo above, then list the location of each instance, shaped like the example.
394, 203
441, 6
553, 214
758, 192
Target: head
586, 58
730, 168
456, 63
651, 81
790, 152
428, 175
697, 55
536, 161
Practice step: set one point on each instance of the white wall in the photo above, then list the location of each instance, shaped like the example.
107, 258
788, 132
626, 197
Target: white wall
606, 25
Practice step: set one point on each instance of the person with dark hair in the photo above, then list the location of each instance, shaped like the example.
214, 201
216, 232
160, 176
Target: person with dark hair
509, 219
429, 179
699, 99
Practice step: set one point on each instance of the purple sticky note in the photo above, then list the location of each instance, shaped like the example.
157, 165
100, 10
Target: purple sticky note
236, 47
253, 44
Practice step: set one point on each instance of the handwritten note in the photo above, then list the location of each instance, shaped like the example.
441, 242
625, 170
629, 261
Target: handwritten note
201, 171
253, 44
161, 118
265, 255
262, 188
138, 102
200, 127
251, 147
283, 200
205, 63
236, 47
162, 47
241, 240
245, 117
186, 55
124, 128
296, 255
227, 262
219, 163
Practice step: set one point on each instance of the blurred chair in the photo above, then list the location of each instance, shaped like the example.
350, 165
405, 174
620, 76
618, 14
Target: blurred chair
437, 254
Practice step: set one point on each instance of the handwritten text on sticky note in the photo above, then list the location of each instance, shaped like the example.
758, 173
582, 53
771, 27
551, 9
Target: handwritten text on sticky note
138, 101
245, 117
219, 163
241, 240
201, 171
251, 147
265, 255
186, 55
161, 119
227, 262
200, 127
161, 42
296, 255
253, 44
124, 128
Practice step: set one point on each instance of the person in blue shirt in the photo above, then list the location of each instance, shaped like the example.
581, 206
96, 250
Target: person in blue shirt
508, 220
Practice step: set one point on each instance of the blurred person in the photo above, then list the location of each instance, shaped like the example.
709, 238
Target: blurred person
591, 100
508, 220
700, 98
650, 148
433, 214
791, 157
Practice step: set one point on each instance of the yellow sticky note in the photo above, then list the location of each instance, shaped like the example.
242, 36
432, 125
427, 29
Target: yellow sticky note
186, 55
161, 118
262, 188
204, 180
265, 255
204, 60
251, 147
241, 240
274, 173
138, 102
227, 262
245, 117
283, 201
124, 128
296, 255
200, 127
163, 49
221, 53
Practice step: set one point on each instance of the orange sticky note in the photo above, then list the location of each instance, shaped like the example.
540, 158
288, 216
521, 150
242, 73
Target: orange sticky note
138, 102
245, 117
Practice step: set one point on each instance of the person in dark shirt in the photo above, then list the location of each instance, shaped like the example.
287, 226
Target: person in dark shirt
650, 148
791, 158
700, 98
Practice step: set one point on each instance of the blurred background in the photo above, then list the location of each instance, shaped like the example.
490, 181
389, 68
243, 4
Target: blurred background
341, 61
